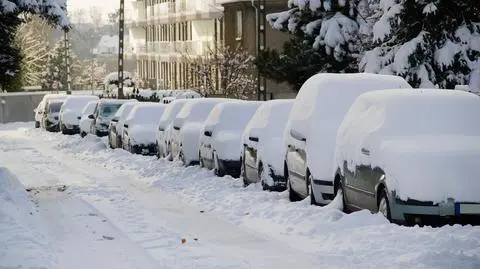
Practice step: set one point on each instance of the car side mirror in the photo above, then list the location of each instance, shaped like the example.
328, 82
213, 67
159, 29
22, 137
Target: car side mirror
91, 117
207, 133
298, 136
252, 138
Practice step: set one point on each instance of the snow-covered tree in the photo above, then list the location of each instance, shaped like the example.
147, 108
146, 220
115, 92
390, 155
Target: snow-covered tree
32, 37
432, 43
91, 74
235, 69
10, 10
54, 76
331, 27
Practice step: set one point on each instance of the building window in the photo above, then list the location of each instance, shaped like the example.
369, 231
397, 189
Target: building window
239, 25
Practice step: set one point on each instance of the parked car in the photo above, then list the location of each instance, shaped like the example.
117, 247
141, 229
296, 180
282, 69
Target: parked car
221, 137
187, 127
263, 147
116, 124
318, 110
103, 114
41, 109
140, 127
39, 113
84, 121
413, 156
51, 114
71, 110
165, 127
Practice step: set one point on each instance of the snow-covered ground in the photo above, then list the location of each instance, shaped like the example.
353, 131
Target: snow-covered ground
126, 211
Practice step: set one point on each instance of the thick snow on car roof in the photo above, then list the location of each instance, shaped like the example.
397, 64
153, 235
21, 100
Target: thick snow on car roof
171, 112
145, 113
89, 107
78, 101
427, 141
196, 110
233, 115
125, 109
321, 105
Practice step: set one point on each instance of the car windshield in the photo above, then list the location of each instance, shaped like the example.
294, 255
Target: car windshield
108, 110
54, 107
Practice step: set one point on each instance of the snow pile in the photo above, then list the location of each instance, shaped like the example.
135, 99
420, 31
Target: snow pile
23, 244
268, 125
319, 108
426, 141
142, 122
227, 123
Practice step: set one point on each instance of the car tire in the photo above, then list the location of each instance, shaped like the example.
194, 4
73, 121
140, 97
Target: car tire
218, 171
292, 195
384, 206
309, 181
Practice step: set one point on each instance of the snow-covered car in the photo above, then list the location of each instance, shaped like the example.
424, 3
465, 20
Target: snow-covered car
103, 114
187, 128
70, 112
221, 137
411, 155
115, 129
41, 109
84, 121
165, 127
263, 147
51, 114
140, 127
318, 110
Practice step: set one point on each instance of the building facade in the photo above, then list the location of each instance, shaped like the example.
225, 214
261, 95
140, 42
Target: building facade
240, 25
163, 33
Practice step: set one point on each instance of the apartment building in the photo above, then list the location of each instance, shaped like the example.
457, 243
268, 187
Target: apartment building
163, 32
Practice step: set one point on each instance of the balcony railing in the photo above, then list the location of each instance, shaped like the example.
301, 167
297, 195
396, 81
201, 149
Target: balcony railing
190, 47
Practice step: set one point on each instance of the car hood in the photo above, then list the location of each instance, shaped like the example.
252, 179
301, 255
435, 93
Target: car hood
433, 168
142, 134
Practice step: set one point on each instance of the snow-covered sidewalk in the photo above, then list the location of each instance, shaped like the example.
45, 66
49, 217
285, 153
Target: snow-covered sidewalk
125, 211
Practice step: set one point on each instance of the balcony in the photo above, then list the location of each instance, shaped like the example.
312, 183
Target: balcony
171, 48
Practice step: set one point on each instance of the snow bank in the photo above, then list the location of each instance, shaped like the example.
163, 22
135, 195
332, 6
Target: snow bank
23, 244
226, 122
268, 125
320, 107
426, 141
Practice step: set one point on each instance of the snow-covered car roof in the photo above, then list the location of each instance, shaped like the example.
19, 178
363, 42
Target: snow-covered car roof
196, 110
233, 115
125, 109
89, 107
78, 101
171, 112
145, 113
427, 141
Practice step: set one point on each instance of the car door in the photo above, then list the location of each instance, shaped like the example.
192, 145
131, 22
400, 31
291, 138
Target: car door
361, 192
296, 162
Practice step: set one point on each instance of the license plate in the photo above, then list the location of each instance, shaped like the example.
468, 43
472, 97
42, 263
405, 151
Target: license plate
467, 209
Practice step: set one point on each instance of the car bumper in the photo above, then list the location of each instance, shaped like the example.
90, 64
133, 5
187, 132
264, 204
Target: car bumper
71, 129
417, 212
150, 149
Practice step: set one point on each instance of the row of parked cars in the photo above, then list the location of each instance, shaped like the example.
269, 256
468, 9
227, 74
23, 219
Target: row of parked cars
368, 140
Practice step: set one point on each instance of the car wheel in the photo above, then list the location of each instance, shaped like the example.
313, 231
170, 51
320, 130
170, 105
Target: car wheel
83, 134
292, 195
384, 206
339, 190
313, 201
218, 171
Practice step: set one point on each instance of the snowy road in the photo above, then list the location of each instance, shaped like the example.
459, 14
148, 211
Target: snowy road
125, 211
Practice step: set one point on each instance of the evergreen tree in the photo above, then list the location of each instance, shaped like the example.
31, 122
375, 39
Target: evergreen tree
431, 43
